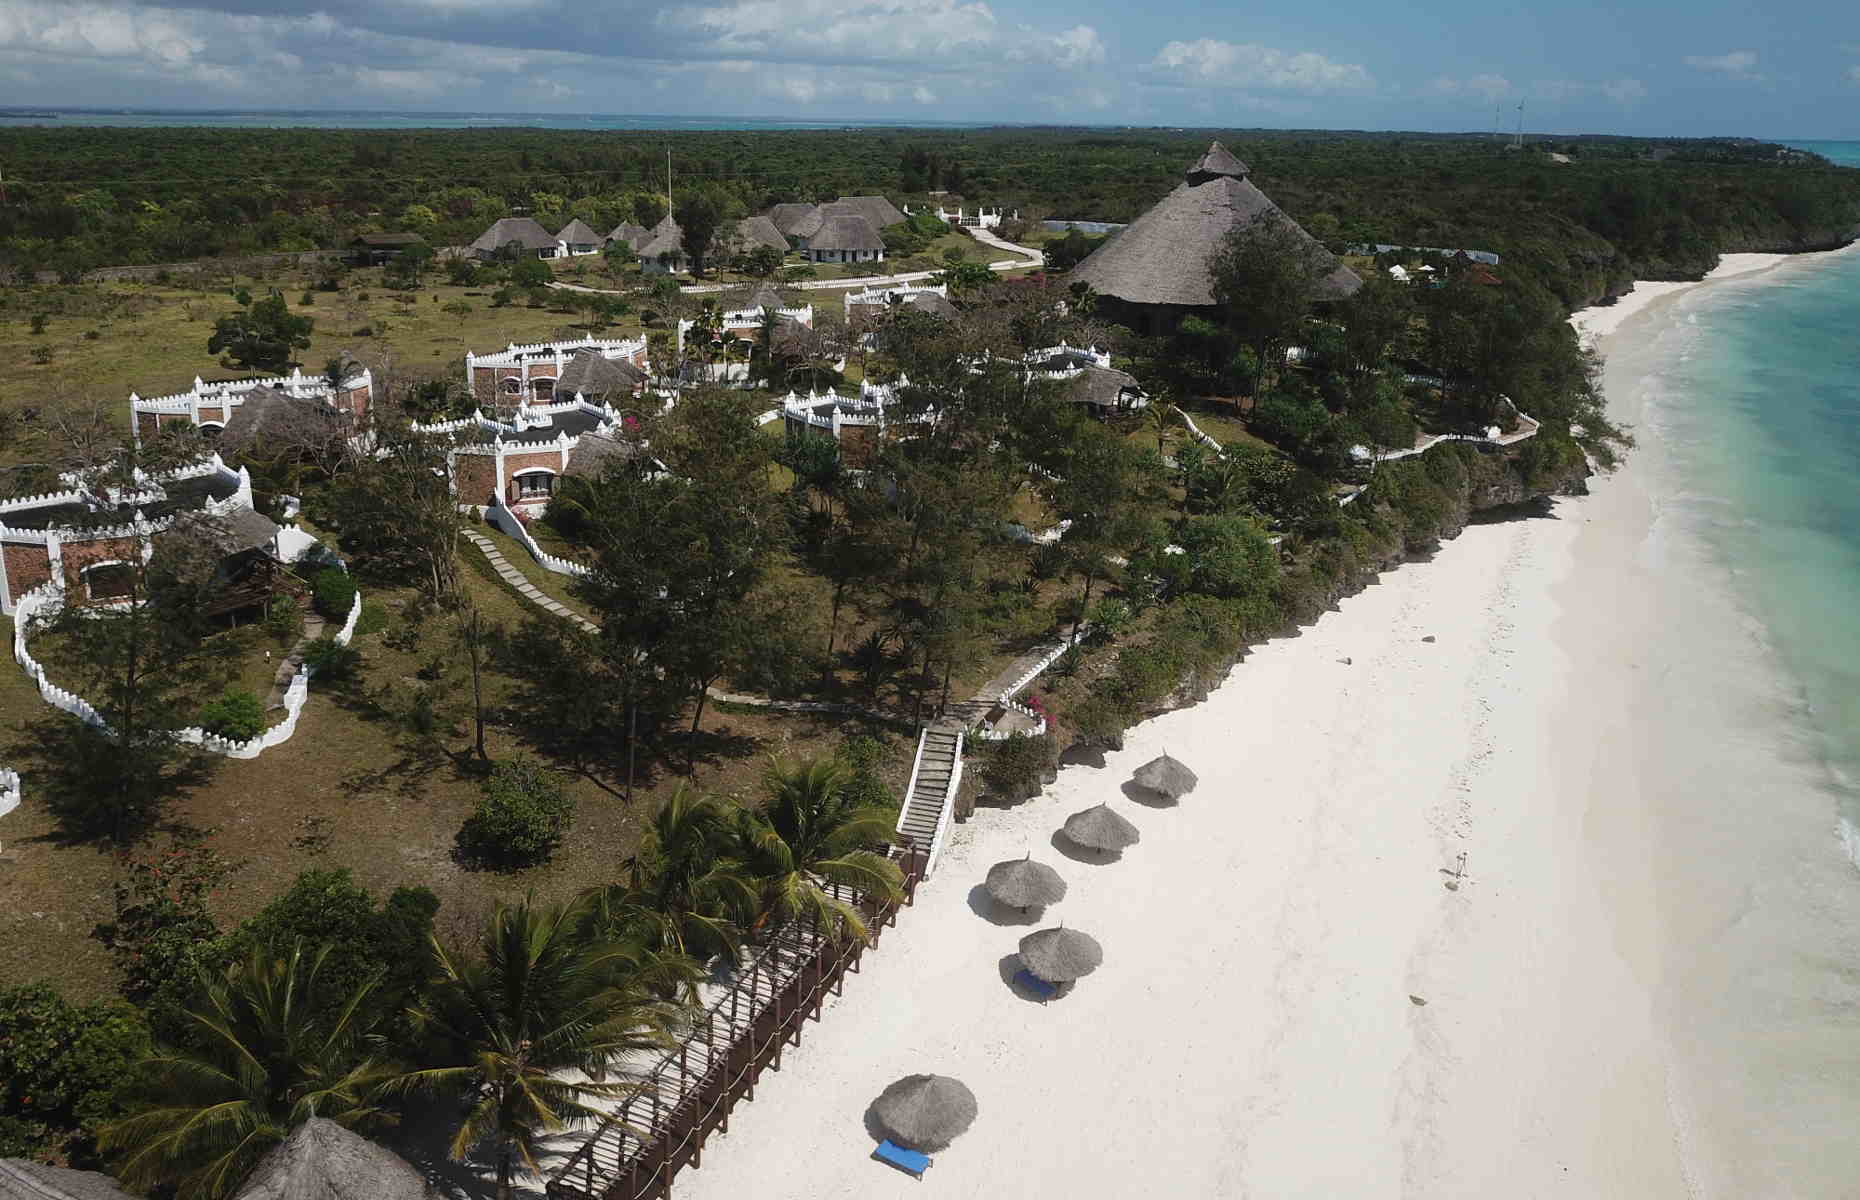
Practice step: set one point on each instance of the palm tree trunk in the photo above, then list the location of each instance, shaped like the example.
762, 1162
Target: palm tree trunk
505, 1189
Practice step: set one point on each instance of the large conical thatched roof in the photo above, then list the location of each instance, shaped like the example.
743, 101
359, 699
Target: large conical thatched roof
1098, 828
1061, 955
324, 1161
1164, 256
925, 1112
24, 1180
1165, 776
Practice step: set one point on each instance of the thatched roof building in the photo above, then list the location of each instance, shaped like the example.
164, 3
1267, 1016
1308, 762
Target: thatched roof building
758, 231
522, 230
849, 238
595, 376
24, 1180
1105, 389
579, 237
875, 209
323, 1161
1158, 268
665, 250
787, 217
633, 235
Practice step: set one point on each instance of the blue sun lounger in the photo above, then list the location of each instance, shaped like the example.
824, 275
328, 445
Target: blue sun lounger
1039, 987
912, 1162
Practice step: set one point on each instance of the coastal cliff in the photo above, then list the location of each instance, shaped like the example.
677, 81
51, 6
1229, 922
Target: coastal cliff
1410, 507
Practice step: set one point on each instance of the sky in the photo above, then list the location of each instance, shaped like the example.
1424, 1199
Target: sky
1787, 70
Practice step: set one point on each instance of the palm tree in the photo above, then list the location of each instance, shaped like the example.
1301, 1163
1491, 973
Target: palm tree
262, 1064
539, 1019
1158, 417
811, 833
685, 892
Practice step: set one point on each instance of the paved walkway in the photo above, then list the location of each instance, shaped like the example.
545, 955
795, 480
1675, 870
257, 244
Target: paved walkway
521, 582
314, 625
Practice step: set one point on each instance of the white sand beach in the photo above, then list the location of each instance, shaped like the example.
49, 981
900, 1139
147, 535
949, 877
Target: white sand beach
1292, 1003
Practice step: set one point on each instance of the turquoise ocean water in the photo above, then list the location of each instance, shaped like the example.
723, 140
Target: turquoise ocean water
1756, 403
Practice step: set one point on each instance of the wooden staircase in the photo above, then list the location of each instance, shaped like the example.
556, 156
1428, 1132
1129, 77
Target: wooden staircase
930, 800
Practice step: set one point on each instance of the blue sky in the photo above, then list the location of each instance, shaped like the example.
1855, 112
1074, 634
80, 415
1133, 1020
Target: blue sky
1662, 68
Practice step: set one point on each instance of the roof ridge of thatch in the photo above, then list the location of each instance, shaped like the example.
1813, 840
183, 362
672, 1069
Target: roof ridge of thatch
1218, 161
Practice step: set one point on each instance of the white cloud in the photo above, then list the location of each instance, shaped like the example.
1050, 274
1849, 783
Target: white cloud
1489, 87
1207, 62
1625, 92
1078, 46
1740, 64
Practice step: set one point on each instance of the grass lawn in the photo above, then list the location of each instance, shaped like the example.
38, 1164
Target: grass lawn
357, 787
102, 341
556, 587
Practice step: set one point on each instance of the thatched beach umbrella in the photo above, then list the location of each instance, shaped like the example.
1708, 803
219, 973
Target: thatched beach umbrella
1165, 776
1099, 828
1023, 883
1061, 955
925, 1112
323, 1161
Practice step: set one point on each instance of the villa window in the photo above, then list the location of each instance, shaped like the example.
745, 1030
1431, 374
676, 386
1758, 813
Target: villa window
513, 387
538, 485
109, 581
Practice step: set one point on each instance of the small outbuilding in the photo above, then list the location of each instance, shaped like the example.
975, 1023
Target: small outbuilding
374, 249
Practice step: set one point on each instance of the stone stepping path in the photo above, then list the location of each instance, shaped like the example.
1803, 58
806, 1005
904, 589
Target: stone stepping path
522, 584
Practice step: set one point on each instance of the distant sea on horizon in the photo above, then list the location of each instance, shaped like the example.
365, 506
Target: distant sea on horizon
362, 118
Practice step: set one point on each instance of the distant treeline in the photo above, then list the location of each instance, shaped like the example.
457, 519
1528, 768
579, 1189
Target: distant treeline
1619, 208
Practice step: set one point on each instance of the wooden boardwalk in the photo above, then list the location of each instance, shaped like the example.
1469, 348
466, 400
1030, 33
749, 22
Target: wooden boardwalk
688, 1095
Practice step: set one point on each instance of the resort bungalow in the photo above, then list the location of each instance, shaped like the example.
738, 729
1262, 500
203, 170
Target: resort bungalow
525, 234
664, 252
751, 232
577, 238
845, 239
1158, 269
631, 235
788, 218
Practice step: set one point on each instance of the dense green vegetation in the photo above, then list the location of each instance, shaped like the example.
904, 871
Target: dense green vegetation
1621, 208
725, 556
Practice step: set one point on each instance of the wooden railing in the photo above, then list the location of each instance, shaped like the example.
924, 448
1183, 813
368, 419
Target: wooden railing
688, 1095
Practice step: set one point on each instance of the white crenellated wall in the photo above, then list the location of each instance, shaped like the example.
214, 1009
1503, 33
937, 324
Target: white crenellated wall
45, 601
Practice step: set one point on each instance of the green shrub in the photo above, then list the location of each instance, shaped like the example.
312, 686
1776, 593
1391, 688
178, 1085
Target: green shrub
284, 619
236, 715
520, 819
60, 1066
863, 755
331, 660
1018, 767
1100, 720
333, 593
